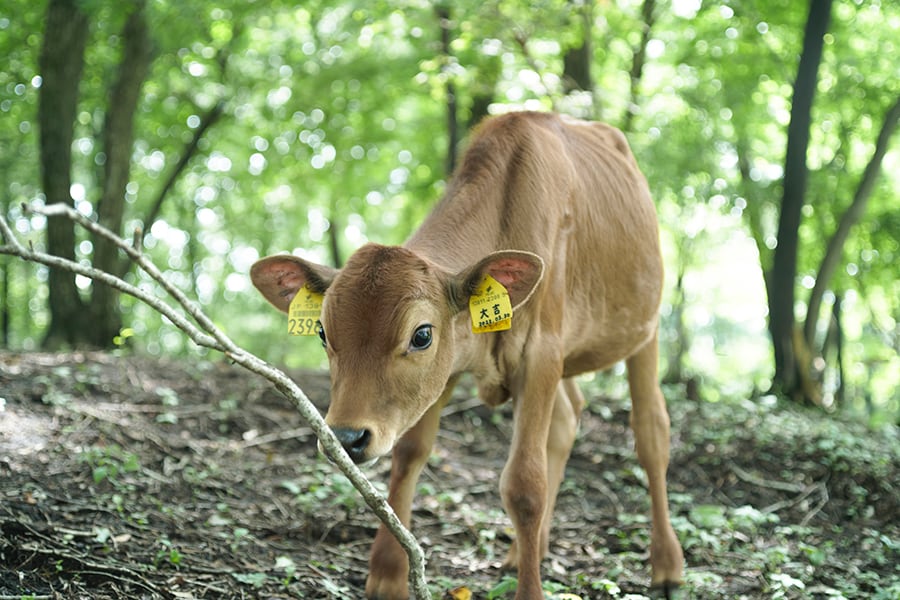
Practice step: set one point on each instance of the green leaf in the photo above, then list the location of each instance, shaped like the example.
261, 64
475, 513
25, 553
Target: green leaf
256, 580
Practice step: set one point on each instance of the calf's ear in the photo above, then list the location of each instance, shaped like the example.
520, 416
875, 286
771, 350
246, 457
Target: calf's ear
518, 271
279, 277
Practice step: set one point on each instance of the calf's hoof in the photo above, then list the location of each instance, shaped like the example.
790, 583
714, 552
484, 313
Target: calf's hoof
511, 562
665, 589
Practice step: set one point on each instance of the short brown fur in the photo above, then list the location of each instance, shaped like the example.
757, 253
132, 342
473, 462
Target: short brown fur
585, 277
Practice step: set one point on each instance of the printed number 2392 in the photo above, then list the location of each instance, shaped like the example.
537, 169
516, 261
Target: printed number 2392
302, 326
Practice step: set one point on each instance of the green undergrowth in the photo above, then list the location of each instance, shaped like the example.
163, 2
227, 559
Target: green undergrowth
769, 500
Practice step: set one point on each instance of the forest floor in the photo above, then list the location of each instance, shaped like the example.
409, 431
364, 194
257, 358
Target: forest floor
131, 477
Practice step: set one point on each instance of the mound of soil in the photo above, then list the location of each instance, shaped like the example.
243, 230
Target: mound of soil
135, 477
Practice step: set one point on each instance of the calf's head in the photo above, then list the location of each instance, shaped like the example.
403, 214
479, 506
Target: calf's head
387, 327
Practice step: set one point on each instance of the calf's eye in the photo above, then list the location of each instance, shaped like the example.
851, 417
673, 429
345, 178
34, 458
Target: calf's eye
421, 339
321, 331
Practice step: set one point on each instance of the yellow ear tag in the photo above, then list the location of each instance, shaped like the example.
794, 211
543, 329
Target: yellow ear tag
304, 312
489, 307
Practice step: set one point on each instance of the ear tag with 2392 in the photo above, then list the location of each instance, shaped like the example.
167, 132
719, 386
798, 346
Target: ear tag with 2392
304, 312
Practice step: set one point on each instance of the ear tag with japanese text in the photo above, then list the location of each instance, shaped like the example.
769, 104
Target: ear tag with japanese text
490, 307
304, 312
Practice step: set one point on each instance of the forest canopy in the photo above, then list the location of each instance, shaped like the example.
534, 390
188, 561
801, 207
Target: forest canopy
221, 132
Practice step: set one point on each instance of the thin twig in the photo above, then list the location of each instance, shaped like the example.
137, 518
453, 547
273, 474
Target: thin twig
278, 436
823, 489
767, 483
521, 38
209, 336
15, 248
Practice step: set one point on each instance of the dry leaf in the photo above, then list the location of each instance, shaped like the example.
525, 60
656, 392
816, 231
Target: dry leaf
460, 593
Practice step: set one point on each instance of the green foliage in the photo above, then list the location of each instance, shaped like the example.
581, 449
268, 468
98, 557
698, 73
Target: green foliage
507, 585
505, 588
799, 550
108, 463
319, 485
332, 128
168, 553
255, 580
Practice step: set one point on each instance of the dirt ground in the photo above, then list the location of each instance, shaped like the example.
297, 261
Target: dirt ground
133, 477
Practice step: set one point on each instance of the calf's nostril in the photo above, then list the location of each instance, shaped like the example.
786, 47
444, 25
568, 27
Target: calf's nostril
354, 441
363, 441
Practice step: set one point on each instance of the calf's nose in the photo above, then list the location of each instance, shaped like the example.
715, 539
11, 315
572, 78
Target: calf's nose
354, 441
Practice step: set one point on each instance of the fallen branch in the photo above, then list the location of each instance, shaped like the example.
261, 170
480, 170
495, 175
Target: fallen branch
207, 335
783, 486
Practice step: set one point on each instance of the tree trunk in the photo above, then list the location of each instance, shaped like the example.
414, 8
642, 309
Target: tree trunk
834, 338
484, 89
784, 266
443, 13
577, 60
190, 149
61, 61
637, 64
4, 304
678, 349
754, 214
839, 346
333, 239
852, 215
118, 139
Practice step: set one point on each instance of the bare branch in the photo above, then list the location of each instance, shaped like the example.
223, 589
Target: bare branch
190, 149
15, 248
851, 216
209, 336
521, 39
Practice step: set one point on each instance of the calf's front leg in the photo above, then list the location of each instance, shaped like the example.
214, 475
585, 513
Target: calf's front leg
388, 563
524, 483
567, 408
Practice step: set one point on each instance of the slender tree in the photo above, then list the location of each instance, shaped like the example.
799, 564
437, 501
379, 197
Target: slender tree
639, 58
850, 217
78, 320
784, 266
577, 60
443, 14
61, 63
118, 138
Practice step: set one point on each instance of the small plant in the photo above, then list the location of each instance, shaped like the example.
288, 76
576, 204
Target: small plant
782, 584
168, 553
286, 564
605, 585
506, 586
125, 334
322, 487
109, 462
169, 399
552, 590
238, 536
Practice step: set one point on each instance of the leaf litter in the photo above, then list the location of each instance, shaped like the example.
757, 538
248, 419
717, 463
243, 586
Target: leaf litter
138, 477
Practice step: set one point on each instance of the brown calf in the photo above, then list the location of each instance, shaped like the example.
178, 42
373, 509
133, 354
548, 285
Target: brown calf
557, 212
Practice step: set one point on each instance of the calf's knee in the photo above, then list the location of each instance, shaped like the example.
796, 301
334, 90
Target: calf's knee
524, 493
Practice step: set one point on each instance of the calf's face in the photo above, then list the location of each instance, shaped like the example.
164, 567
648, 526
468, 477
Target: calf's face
387, 325
387, 329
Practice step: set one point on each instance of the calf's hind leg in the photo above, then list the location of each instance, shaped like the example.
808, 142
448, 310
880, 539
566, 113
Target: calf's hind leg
650, 422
